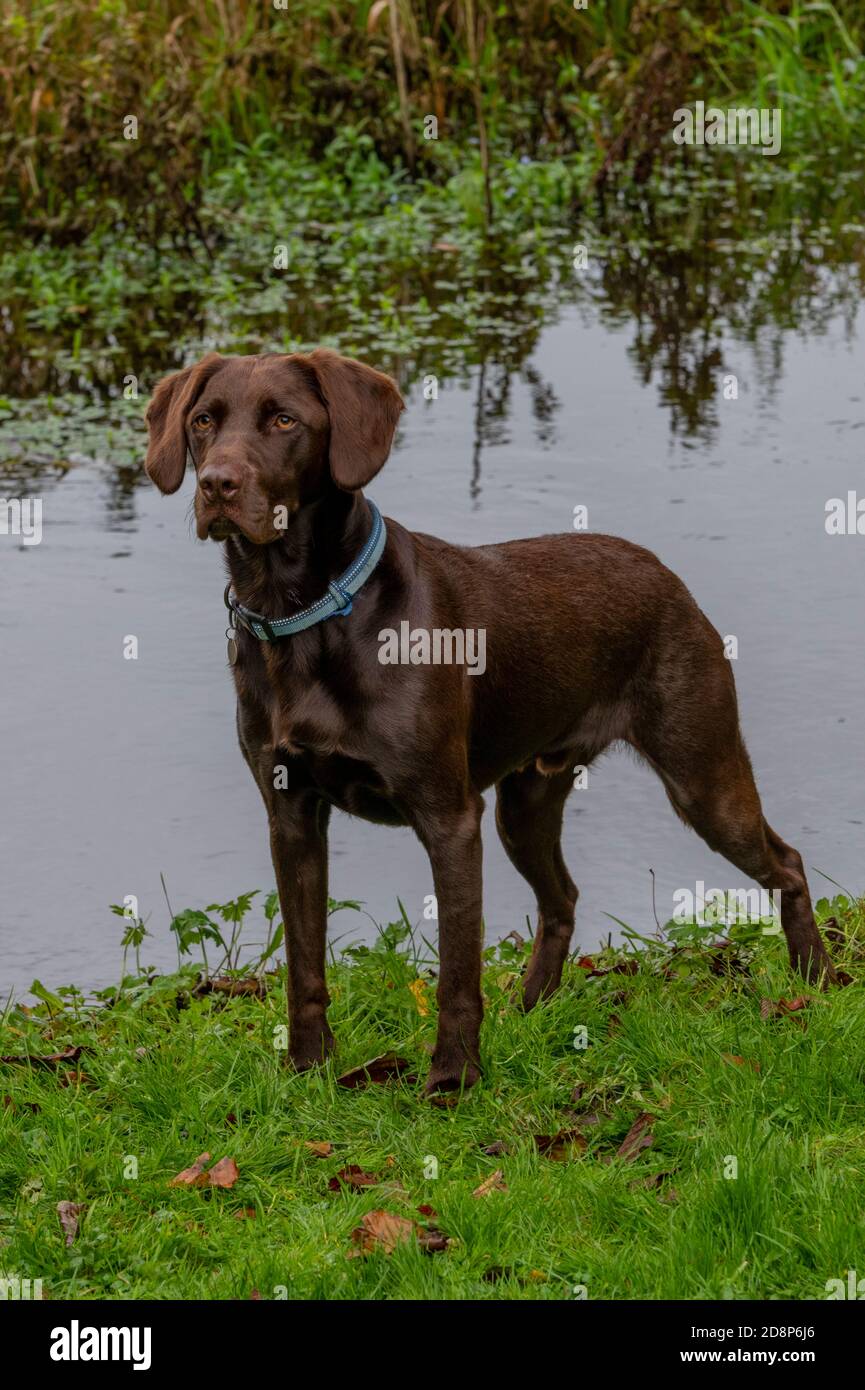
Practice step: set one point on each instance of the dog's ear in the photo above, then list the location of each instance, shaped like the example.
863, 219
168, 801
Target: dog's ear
165, 417
364, 406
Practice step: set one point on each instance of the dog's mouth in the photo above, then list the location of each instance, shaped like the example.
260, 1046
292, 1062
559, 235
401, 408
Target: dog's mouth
218, 522
221, 527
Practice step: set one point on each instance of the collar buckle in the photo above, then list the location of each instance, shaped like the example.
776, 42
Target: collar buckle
341, 599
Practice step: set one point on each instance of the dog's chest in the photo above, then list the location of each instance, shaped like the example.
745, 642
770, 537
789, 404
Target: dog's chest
310, 720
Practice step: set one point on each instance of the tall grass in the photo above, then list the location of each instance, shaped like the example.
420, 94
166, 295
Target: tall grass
205, 77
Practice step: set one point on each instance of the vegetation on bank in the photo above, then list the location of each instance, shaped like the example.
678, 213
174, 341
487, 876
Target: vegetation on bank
205, 79
683, 1120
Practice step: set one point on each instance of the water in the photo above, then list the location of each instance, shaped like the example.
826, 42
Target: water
116, 771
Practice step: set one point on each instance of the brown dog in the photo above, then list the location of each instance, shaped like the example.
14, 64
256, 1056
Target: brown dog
589, 639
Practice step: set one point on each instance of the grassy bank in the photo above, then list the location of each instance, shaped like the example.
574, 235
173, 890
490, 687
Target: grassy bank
616, 1160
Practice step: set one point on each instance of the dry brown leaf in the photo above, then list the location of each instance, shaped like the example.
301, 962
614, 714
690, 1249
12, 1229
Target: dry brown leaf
224, 1173
638, 1137
74, 1078
780, 1008
496, 1148
622, 967
245, 1214
381, 1230
431, 1240
732, 1060
377, 1071
494, 1183
561, 1146
194, 1175
69, 1213
320, 1148
10, 1104
51, 1059
232, 988
352, 1176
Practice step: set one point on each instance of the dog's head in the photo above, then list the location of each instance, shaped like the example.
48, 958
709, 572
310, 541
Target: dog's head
269, 434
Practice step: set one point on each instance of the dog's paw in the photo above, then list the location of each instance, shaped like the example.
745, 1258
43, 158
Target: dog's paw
447, 1081
311, 1052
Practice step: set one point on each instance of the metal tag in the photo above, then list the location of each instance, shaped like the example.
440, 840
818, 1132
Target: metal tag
232, 651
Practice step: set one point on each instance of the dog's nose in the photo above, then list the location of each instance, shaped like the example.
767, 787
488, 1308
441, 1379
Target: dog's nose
219, 481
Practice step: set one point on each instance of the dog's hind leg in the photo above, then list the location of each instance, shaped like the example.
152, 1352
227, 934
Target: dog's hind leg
692, 739
529, 809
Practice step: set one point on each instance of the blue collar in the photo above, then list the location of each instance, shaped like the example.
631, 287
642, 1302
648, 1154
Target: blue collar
337, 600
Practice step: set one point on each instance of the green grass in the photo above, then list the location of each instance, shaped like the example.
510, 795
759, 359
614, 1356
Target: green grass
164, 1083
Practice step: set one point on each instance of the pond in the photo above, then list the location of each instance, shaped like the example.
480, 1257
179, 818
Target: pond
618, 399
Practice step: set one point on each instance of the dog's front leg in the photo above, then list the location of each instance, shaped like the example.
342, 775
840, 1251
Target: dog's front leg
453, 842
298, 847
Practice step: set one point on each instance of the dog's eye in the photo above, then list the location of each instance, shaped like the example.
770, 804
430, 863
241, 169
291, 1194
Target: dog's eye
202, 421
284, 422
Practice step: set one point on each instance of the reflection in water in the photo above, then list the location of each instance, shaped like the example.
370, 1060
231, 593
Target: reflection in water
685, 269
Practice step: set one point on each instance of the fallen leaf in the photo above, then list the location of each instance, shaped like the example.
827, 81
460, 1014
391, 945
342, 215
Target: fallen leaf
194, 1176
734, 1061
51, 1059
224, 1173
232, 988
426, 1210
494, 1183
418, 990
255, 1296
653, 1180
381, 1230
352, 1176
495, 1149
245, 1214
582, 1120
780, 1008
74, 1078
431, 1240
69, 1213
561, 1146
638, 1137
622, 967
377, 1071
320, 1148
10, 1104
